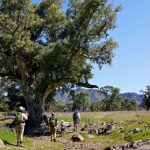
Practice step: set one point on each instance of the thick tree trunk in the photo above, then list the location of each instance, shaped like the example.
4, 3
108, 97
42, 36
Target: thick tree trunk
36, 109
35, 122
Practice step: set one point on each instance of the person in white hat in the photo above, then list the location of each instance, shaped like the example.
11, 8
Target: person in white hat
21, 117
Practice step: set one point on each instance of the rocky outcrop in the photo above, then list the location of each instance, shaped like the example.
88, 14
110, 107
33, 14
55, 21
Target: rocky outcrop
136, 145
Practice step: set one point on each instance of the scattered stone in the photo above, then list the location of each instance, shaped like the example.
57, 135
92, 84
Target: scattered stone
102, 130
120, 129
146, 147
110, 126
137, 130
90, 136
136, 145
121, 122
85, 128
77, 138
2, 144
93, 124
147, 126
92, 131
103, 124
140, 122
68, 124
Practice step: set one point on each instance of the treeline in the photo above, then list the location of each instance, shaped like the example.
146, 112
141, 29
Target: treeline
113, 101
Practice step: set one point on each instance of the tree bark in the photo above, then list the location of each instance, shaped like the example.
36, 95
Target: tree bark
36, 112
36, 109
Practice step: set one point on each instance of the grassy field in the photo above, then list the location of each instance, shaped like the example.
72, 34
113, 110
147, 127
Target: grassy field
125, 121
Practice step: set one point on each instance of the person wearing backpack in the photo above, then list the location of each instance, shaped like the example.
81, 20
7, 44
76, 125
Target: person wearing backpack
19, 121
52, 124
76, 119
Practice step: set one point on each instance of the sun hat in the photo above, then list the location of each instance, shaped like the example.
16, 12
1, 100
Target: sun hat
53, 113
22, 109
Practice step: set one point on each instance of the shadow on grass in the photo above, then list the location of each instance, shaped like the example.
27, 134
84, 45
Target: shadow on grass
8, 143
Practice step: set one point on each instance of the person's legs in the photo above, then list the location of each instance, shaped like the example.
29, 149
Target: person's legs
55, 130
21, 134
18, 132
75, 126
62, 131
52, 134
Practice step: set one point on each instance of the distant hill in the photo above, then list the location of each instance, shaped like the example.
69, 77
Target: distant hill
132, 95
65, 97
95, 96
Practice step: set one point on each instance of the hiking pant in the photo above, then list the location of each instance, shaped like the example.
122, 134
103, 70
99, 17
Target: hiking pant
20, 132
76, 122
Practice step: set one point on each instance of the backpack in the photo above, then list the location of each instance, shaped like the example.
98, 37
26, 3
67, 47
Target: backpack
75, 116
53, 122
18, 118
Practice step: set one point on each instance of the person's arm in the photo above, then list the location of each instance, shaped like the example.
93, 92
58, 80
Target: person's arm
49, 123
56, 122
25, 115
73, 115
79, 116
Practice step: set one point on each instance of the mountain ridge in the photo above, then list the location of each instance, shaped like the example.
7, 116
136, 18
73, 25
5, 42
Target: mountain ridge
63, 97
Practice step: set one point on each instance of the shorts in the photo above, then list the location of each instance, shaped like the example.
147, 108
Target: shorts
53, 130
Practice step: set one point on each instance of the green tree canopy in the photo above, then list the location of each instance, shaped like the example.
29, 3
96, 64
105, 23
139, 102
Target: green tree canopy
43, 48
81, 101
112, 99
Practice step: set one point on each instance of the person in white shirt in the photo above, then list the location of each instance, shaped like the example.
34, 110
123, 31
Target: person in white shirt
20, 125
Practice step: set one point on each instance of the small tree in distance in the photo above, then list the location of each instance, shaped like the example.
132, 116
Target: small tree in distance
81, 101
146, 100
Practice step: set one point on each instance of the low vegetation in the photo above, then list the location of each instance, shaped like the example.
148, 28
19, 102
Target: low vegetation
124, 122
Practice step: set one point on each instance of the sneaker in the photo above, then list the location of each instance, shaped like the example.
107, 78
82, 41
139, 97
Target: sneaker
21, 145
18, 143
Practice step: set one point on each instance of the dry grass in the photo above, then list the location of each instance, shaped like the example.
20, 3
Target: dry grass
131, 120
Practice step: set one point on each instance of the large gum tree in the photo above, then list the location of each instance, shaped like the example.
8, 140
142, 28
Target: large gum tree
43, 48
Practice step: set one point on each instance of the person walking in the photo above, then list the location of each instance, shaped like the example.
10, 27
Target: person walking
52, 124
19, 121
62, 127
76, 119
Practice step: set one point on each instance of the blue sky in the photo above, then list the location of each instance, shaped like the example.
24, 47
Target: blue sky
130, 68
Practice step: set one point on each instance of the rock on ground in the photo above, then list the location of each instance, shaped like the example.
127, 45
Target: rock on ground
77, 138
2, 144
